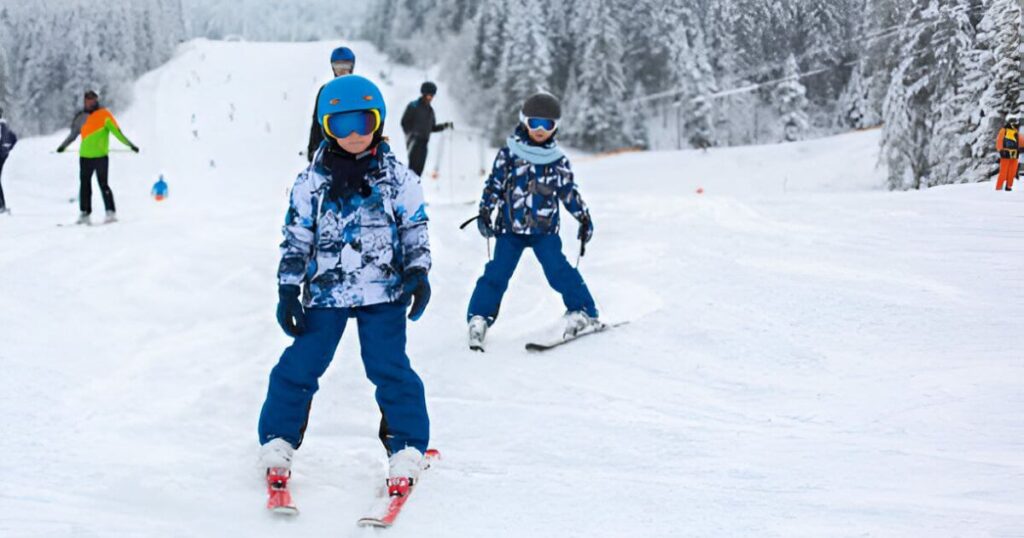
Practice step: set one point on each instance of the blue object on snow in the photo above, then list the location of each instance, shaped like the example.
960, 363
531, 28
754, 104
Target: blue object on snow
159, 189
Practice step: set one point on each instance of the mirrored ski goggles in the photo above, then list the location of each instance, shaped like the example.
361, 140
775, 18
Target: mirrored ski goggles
543, 124
343, 65
361, 122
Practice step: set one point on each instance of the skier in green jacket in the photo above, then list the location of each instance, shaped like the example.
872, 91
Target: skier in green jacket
95, 124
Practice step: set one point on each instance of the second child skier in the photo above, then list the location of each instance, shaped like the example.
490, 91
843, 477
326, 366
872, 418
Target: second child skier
530, 177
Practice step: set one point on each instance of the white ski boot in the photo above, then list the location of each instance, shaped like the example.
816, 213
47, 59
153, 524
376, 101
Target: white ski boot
579, 323
276, 454
406, 463
84, 219
477, 332
111, 217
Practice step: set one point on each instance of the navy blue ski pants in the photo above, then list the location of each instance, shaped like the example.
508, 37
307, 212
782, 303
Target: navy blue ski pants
293, 382
561, 275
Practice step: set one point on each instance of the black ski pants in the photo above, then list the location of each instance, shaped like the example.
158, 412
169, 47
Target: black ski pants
100, 167
418, 155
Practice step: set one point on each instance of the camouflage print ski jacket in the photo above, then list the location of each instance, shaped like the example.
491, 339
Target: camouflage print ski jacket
526, 184
353, 252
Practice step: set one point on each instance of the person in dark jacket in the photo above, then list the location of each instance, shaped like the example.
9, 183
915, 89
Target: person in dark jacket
7, 141
343, 62
418, 122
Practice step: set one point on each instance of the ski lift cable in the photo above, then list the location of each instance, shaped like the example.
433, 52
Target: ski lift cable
755, 86
873, 35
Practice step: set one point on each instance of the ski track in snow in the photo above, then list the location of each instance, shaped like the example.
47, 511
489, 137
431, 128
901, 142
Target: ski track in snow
807, 355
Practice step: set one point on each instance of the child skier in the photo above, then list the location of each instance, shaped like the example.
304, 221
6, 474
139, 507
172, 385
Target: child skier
356, 242
530, 176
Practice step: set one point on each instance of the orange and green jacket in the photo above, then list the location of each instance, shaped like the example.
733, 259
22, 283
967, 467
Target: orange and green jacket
95, 129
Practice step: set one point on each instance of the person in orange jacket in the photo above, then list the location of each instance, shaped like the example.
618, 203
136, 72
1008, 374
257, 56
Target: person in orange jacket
1008, 144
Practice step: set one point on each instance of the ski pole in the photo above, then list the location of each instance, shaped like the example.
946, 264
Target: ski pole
463, 227
76, 151
583, 250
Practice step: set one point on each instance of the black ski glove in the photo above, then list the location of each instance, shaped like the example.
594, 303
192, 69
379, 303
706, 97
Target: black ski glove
449, 125
586, 232
134, 148
483, 223
415, 286
290, 315
60, 149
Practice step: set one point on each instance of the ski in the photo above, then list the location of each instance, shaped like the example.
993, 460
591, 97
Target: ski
279, 498
387, 508
551, 344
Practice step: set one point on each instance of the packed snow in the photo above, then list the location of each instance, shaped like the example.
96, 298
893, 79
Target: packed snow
807, 354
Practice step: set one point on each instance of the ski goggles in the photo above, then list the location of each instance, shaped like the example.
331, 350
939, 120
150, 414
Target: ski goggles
542, 124
343, 65
361, 122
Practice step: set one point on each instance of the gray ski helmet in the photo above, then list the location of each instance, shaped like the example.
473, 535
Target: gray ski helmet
92, 94
428, 88
542, 105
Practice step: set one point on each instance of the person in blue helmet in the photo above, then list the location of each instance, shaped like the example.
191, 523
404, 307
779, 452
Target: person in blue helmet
343, 62
530, 177
355, 247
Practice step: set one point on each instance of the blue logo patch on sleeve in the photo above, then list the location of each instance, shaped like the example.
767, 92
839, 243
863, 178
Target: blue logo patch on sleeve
420, 215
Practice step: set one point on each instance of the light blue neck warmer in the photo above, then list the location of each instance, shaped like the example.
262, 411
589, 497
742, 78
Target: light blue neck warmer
534, 154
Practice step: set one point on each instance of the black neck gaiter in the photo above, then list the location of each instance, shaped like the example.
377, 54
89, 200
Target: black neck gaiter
348, 172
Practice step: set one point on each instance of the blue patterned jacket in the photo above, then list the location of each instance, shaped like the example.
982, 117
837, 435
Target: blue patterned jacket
526, 184
353, 252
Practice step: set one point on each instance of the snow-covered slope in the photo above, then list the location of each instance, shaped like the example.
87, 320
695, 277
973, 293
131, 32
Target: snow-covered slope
808, 355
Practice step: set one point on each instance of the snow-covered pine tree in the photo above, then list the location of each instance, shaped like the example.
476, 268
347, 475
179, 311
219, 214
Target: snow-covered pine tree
997, 80
821, 37
791, 99
727, 50
908, 117
953, 43
490, 35
645, 37
690, 69
55, 49
853, 109
634, 120
562, 36
381, 22
879, 48
595, 111
525, 61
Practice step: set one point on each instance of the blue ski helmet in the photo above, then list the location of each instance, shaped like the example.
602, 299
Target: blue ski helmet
348, 94
343, 54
